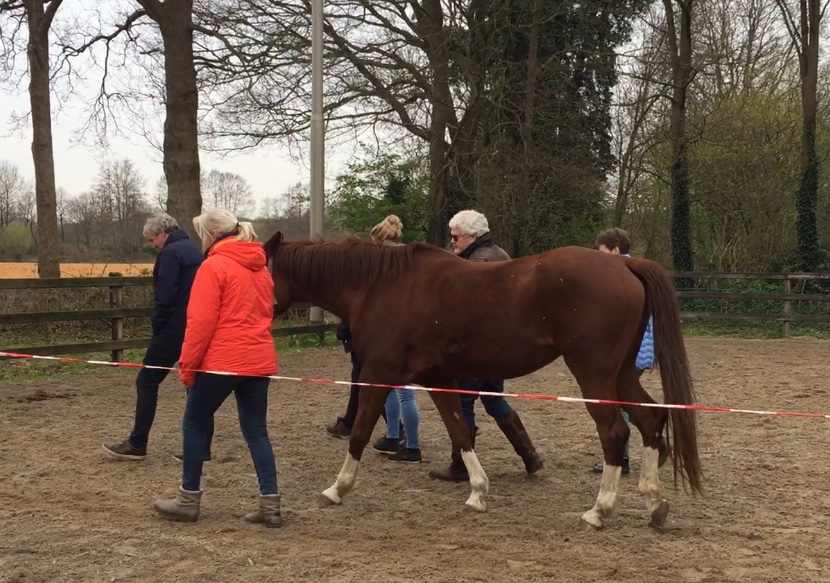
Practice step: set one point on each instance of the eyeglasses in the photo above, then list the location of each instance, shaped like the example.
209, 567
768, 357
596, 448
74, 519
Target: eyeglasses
457, 237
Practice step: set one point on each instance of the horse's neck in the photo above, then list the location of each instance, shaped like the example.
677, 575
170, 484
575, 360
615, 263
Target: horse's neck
340, 301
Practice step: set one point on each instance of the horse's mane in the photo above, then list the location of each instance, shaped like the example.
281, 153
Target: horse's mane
317, 265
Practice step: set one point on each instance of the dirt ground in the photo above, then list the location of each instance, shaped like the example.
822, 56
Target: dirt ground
69, 513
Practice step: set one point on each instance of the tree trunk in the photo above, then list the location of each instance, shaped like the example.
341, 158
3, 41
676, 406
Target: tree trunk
680, 46
431, 26
520, 223
181, 131
37, 50
806, 198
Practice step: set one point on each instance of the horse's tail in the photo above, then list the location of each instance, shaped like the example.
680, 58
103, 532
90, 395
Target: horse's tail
670, 356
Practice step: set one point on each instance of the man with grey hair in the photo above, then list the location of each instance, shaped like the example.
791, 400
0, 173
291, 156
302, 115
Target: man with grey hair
173, 275
471, 239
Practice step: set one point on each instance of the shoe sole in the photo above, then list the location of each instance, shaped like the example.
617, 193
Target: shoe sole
338, 436
124, 456
178, 517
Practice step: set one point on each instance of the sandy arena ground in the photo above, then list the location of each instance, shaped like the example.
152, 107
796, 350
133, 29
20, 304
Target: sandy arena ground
70, 514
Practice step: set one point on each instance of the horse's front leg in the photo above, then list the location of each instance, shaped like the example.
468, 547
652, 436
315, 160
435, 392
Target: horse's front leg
370, 405
462, 444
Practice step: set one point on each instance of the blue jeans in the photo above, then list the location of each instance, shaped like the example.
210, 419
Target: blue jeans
163, 350
628, 422
397, 401
203, 400
496, 407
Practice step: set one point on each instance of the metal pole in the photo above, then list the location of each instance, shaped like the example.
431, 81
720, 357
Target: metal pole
317, 200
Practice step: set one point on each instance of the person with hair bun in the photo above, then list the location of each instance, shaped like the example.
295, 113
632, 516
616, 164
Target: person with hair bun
400, 402
228, 330
388, 232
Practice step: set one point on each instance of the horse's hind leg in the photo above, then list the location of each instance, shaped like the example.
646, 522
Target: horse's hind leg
613, 433
450, 409
370, 405
650, 421
598, 381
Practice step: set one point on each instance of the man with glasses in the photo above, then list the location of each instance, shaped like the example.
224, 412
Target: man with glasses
471, 239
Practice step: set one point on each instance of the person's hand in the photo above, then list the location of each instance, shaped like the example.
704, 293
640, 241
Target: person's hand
187, 377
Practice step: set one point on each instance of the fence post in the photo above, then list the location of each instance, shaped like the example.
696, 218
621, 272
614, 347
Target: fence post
317, 319
116, 296
788, 306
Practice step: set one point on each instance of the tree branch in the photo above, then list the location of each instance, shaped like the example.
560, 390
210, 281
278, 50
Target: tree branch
792, 27
153, 8
107, 38
49, 14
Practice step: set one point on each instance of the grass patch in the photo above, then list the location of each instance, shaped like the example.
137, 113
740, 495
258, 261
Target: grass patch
751, 330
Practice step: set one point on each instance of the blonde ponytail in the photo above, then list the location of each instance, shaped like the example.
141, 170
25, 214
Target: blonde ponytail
246, 232
211, 225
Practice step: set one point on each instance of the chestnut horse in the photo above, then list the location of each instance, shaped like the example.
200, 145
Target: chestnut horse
420, 315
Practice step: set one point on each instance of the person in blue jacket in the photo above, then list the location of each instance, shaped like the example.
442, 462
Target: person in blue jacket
617, 242
173, 273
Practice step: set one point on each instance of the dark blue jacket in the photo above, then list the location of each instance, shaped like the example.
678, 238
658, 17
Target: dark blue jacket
173, 276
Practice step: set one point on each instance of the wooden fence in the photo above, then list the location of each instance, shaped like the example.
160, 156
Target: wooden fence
116, 314
785, 316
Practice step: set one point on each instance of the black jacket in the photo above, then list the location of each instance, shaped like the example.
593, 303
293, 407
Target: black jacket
173, 276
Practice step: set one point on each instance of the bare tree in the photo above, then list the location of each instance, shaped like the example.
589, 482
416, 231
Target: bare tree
637, 117
228, 191
270, 207
13, 189
181, 94
38, 15
804, 33
84, 211
160, 199
390, 67
120, 190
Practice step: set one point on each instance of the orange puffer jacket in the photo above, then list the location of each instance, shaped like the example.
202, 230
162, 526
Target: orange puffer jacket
230, 313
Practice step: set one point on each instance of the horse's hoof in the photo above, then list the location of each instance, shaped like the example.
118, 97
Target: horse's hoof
587, 526
477, 505
324, 501
658, 517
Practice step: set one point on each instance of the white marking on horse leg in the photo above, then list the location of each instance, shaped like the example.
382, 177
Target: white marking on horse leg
650, 480
345, 480
607, 497
479, 482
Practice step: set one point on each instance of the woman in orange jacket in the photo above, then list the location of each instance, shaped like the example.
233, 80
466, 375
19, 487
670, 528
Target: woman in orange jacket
228, 330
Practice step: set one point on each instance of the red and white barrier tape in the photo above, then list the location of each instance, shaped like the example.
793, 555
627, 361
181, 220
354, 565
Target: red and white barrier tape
532, 396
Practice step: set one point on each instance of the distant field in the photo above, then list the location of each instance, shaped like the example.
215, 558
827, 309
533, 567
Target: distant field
14, 270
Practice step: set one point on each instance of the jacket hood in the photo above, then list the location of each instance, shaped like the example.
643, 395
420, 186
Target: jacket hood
248, 255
